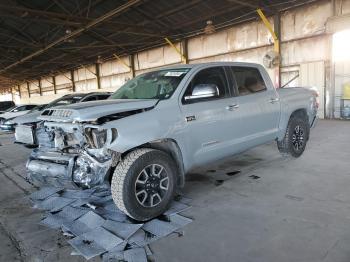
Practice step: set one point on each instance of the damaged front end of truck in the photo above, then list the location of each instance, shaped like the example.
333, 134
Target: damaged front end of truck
74, 147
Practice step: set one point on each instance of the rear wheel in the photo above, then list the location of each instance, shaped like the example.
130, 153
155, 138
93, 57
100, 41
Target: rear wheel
143, 183
296, 137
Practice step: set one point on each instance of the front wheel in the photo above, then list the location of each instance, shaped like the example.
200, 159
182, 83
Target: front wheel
143, 183
296, 137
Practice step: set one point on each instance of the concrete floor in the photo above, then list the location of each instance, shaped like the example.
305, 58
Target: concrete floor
275, 209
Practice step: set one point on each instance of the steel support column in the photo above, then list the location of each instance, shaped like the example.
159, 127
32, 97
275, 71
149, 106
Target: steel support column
72, 79
54, 85
274, 31
98, 75
277, 30
185, 50
132, 65
183, 58
40, 87
28, 89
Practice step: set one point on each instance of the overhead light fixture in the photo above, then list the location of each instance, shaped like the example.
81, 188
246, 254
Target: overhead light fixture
69, 40
99, 60
209, 28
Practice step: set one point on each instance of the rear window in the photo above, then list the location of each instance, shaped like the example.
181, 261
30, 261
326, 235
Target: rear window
249, 80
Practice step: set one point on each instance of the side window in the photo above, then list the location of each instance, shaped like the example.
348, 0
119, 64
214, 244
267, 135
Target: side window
249, 80
215, 77
90, 98
102, 97
30, 107
20, 108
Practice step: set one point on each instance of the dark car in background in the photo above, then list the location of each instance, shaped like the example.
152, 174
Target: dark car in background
6, 105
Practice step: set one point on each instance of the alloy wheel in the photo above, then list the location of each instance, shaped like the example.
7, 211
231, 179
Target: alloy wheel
151, 185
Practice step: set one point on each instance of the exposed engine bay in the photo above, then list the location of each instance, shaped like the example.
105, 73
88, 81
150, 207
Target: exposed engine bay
72, 152
73, 145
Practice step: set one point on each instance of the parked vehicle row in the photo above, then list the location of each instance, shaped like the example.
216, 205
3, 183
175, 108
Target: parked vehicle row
28, 114
163, 124
12, 113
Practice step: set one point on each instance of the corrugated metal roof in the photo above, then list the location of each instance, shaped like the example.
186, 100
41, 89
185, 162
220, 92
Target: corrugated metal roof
29, 26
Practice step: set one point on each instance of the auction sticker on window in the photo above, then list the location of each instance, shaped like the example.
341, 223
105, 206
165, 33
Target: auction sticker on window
174, 73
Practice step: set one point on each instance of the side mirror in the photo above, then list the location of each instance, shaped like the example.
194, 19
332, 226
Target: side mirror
203, 91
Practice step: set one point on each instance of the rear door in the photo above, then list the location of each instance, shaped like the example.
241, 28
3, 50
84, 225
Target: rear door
259, 106
207, 130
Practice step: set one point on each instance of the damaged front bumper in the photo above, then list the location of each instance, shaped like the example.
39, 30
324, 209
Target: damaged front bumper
66, 169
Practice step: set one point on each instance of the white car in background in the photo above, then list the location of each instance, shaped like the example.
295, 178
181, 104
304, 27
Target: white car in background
15, 112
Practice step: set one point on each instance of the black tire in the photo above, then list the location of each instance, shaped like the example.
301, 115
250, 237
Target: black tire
294, 141
124, 186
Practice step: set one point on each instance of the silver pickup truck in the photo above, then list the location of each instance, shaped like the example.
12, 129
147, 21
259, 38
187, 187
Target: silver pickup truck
163, 124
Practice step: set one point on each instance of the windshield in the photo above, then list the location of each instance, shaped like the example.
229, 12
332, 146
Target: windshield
38, 108
10, 109
153, 85
63, 101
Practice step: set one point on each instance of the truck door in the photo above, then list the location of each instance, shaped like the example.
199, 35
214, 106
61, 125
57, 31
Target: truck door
206, 129
259, 106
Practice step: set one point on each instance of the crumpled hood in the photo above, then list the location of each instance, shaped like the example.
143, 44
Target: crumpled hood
91, 111
27, 118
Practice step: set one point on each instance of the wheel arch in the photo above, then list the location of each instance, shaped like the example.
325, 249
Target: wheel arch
171, 147
300, 112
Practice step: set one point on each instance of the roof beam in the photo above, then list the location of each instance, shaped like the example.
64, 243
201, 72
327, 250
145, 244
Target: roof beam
56, 18
93, 23
245, 3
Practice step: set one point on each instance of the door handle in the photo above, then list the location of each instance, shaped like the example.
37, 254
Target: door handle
274, 100
232, 107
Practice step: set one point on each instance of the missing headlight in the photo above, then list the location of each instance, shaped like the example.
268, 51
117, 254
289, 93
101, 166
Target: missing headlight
99, 137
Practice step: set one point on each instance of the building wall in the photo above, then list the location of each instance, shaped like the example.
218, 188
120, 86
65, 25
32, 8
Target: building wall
303, 41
